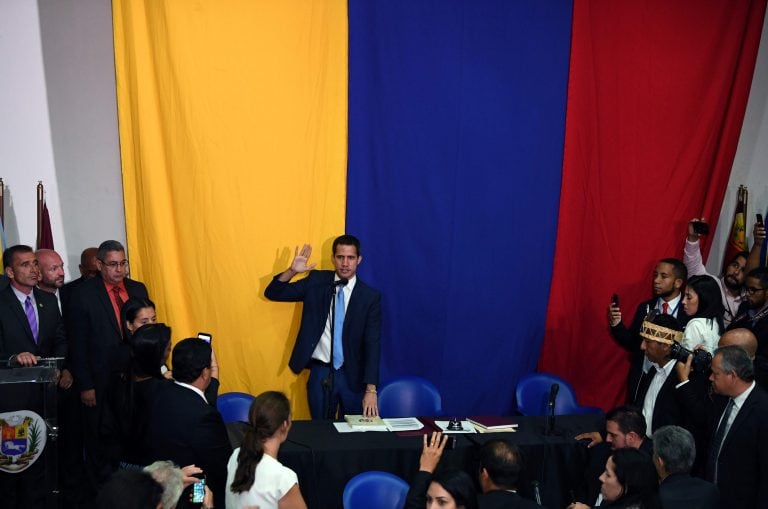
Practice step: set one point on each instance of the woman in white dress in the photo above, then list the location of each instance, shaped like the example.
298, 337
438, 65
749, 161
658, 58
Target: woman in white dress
254, 476
703, 302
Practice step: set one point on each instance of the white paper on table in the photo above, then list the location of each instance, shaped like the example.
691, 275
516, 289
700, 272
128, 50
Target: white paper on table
466, 427
403, 424
343, 427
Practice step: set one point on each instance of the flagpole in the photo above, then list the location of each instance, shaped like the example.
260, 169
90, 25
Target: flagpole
40, 195
2, 203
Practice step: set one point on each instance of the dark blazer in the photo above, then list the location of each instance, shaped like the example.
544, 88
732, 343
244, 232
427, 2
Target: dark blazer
185, 429
15, 334
505, 500
681, 491
362, 323
759, 328
742, 466
667, 409
95, 333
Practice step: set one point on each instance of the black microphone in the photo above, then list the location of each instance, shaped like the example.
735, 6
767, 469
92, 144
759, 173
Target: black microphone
536, 492
340, 282
553, 394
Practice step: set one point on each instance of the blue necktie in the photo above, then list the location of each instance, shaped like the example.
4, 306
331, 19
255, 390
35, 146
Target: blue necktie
338, 330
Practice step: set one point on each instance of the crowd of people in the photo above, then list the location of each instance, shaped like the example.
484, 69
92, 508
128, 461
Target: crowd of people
134, 433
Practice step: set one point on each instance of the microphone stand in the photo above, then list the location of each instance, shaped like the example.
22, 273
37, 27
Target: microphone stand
549, 426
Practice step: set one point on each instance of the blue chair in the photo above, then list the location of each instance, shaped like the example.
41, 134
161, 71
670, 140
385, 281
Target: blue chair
234, 406
409, 396
375, 490
533, 395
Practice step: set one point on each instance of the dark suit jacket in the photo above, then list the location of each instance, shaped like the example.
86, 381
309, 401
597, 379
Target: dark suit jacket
15, 334
362, 323
742, 466
681, 491
760, 330
95, 333
185, 429
16, 337
505, 500
667, 409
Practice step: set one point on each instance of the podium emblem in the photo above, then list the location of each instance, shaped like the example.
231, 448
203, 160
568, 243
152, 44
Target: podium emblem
22, 440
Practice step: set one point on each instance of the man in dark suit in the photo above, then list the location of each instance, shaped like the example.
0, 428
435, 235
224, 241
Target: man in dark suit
674, 451
500, 466
753, 315
96, 335
738, 452
30, 328
344, 366
183, 426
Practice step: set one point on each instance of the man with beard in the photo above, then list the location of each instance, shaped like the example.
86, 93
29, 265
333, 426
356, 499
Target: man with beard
731, 282
753, 315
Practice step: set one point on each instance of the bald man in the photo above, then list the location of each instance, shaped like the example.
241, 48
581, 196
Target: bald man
51, 272
740, 337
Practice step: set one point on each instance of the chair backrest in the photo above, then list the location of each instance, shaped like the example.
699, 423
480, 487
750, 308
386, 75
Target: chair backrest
533, 395
409, 396
234, 406
375, 490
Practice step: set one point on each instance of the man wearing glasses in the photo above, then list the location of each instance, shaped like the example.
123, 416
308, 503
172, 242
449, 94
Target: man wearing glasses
753, 315
95, 332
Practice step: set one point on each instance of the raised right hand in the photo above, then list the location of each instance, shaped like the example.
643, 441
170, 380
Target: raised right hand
692, 235
300, 259
432, 450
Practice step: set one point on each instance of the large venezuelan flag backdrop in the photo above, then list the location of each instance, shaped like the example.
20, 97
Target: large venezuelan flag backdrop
506, 165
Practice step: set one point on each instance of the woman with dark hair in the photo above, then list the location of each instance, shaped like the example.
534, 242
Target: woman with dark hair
630, 481
451, 489
130, 395
703, 302
254, 476
136, 311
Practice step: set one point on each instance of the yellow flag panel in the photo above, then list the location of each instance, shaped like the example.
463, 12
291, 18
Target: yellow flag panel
233, 118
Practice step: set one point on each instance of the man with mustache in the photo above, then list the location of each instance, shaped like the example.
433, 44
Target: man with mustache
753, 315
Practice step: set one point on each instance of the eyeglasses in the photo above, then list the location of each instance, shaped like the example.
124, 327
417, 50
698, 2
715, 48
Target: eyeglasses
113, 265
752, 290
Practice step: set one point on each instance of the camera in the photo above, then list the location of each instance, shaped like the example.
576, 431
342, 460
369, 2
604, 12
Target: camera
701, 358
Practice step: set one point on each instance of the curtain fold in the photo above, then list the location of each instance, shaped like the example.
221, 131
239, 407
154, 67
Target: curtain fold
233, 142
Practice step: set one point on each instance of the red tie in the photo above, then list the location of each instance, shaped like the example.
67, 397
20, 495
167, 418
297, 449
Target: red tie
665, 308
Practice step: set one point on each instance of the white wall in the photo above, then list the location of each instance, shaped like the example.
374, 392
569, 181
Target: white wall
58, 123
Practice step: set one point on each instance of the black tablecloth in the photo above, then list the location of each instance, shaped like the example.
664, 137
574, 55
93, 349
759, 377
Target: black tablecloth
325, 460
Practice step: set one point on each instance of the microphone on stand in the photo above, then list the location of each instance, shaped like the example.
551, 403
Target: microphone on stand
550, 419
340, 282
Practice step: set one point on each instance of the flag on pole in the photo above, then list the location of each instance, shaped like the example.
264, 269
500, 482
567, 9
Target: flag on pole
44, 233
737, 240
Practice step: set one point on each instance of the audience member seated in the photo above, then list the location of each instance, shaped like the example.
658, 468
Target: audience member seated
500, 466
183, 426
730, 284
629, 481
254, 476
130, 489
674, 452
753, 315
624, 428
124, 424
703, 303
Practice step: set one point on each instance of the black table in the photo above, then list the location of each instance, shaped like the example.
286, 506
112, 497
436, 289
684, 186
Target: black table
325, 460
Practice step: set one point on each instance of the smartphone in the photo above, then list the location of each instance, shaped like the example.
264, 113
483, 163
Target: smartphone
700, 228
205, 337
198, 491
760, 219
615, 300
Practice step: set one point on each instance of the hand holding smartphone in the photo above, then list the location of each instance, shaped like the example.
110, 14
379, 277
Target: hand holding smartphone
205, 337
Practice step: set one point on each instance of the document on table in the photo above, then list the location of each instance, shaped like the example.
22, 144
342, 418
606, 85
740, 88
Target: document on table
399, 424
